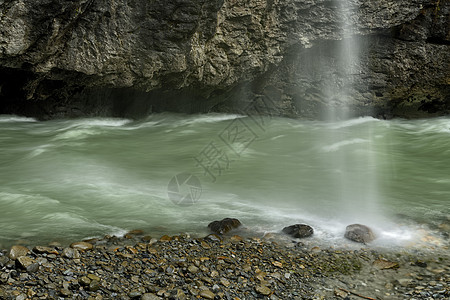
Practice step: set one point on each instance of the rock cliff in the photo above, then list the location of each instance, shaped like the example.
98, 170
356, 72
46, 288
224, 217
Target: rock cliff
129, 58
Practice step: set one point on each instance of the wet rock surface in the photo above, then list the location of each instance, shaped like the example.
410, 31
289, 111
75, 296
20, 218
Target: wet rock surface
359, 233
224, 226
84, 57
299, 230
185, 267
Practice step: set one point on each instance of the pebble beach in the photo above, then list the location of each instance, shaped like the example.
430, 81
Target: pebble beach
139, 266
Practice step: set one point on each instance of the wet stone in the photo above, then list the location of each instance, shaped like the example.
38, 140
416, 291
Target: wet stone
84, 280
94, 285
43, 249
165, 238
224, 226
263, 290
213, 237
93, 277
247, 269
150, 296
3, 261
193, 269
207, 294
71, 253
65, 292
83, 246
359, 233
299, 230
384, 264
25, 261
181, 295
18, 251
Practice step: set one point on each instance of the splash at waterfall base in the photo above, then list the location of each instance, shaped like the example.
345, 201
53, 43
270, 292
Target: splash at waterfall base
185, 267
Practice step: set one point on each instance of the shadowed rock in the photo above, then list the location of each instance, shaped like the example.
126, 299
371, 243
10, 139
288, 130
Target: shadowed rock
299, 230
359, 233
221, 227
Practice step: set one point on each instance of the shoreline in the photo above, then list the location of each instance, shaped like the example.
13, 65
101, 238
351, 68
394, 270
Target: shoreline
138, 266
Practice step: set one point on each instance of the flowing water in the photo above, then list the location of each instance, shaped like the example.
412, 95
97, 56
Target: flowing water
65, 180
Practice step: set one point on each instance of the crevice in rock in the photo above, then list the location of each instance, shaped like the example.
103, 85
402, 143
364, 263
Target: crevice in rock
438, 41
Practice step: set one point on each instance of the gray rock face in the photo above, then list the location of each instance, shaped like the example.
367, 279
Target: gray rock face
130, 58
359, 233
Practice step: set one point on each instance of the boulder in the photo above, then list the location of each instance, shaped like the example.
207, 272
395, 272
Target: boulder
299, 231
17, 251
224, 226
359, 233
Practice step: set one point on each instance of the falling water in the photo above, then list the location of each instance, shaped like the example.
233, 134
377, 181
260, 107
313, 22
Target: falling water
352, 173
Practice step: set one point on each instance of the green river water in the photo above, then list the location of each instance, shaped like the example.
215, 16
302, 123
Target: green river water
65, 180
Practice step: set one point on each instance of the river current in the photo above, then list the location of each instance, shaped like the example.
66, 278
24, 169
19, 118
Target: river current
66, 180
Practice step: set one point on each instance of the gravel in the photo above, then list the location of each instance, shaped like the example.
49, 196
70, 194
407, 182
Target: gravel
226, 267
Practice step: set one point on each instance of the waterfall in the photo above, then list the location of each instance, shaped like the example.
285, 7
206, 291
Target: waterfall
345, 67
353, 175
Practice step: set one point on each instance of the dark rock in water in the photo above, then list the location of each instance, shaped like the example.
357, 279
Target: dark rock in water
359, 233
299, 230
132, 233
221, 227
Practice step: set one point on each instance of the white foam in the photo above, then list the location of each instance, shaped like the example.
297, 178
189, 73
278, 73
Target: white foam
336, 146
39, 150
100, 122
93, 124
208, 118
420, 127
19, 200
352, 122
277, 137
13, 119
76, 134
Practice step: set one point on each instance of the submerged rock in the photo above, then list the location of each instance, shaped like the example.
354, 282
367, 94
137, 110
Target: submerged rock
130, 234
359, 233
299, 230
384, 264
224, 226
